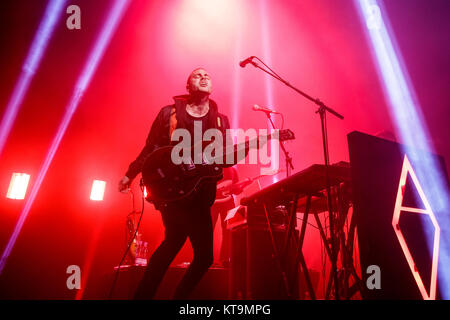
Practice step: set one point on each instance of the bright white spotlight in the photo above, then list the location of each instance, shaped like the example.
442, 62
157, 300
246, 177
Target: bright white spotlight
98, 190
18, 186
145, 192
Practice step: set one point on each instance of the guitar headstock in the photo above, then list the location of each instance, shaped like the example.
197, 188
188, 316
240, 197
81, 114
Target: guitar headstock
286, 134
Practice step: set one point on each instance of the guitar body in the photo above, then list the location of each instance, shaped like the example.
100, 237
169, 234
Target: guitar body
166, 181
169, 182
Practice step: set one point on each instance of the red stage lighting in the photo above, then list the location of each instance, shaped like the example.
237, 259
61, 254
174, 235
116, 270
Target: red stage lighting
206, 25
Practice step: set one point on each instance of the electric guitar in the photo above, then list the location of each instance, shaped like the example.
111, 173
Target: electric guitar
167, 181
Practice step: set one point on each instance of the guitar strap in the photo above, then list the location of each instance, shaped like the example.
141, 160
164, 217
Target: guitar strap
172, 122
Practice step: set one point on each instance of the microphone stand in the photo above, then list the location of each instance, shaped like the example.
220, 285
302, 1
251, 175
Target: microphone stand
287, 157
322, 112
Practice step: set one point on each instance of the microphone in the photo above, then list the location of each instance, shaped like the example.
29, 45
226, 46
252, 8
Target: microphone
243, 63
263, 109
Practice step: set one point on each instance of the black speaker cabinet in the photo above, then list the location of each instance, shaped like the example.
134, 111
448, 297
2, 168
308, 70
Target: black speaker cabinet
403, 230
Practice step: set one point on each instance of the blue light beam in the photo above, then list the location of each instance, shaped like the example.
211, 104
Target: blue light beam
97, 52
35, 53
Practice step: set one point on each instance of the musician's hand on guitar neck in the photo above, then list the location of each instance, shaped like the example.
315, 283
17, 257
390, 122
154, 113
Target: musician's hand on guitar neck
223, 200
223, 194
224, 184
124, 184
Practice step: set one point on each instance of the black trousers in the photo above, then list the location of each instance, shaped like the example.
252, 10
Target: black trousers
220, 211
181, 222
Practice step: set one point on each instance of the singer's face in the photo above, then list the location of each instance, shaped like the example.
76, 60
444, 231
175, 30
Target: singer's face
199, 82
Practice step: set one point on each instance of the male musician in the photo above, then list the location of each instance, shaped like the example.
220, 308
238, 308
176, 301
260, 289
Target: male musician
190, 218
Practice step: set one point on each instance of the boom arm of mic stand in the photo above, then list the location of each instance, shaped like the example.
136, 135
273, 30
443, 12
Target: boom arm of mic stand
316, 101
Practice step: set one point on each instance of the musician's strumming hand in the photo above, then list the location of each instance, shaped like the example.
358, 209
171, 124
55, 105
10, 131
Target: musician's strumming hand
124, 184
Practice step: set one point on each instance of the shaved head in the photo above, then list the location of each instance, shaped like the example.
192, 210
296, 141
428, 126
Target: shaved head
199, 81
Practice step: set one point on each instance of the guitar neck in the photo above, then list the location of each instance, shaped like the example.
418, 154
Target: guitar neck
245, 147
242, 149
255, 142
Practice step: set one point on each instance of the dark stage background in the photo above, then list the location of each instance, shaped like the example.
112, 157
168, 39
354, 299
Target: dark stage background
319, 46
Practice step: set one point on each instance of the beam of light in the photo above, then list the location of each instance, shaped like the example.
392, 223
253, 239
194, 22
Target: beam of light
236, 91
265, 35
35, 53
406, 112
18, 186
92, 63
98, 190
90, 255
